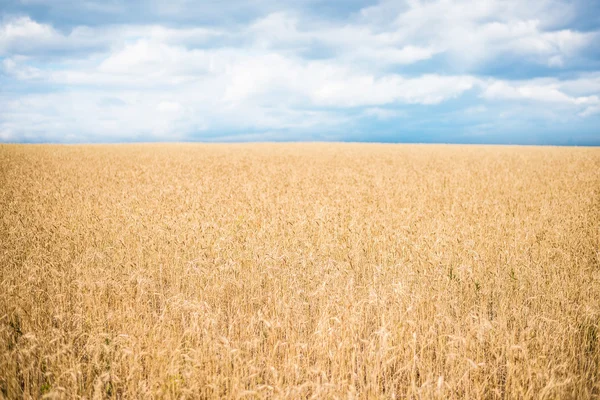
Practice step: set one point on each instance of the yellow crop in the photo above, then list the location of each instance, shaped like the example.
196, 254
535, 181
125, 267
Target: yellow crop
299, 271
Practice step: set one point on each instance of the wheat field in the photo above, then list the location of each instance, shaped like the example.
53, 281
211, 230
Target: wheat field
299, 271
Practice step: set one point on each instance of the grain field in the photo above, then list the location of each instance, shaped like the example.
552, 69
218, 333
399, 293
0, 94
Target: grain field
299, 271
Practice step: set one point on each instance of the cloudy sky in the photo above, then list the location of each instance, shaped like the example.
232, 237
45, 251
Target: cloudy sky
478, 71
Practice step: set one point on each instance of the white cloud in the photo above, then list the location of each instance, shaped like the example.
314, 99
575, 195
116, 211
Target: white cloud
23, 32
23, 36
20, 70
286, 70
473, 32
357, 43
470, 32
154, 58
25, 28
549, 92
542, 92
393, 56
357, 90
258, 76
169, 107
6, 135
584, 84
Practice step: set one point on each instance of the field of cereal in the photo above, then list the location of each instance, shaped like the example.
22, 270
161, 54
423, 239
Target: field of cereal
299, 271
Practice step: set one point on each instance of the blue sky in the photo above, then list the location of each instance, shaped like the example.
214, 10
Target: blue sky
464, 71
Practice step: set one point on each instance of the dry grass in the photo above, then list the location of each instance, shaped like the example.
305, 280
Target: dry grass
299, 271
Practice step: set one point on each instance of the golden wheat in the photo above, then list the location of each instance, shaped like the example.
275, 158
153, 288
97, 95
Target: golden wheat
299, 271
